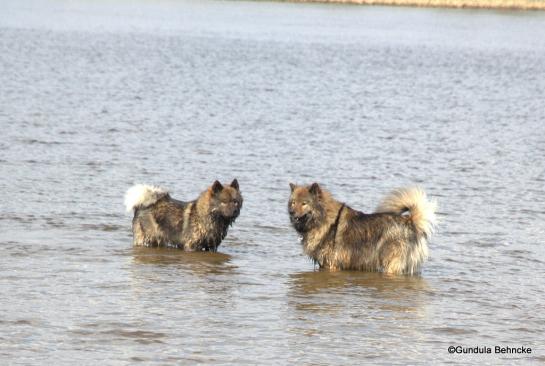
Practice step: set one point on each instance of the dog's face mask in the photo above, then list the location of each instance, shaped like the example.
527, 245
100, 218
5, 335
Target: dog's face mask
226, 200
304, 206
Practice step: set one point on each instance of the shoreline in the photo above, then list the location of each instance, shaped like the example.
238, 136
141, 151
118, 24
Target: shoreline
456, 4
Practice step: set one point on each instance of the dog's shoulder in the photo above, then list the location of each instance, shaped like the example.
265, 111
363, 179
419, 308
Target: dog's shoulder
179, 203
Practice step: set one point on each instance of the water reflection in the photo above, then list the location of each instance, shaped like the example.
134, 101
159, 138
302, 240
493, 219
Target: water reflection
331, 309
316, 281
181, 280
164, 272
327, 291
197, 262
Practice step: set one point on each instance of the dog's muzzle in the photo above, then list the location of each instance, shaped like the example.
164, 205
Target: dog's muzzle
301, 218
299, 222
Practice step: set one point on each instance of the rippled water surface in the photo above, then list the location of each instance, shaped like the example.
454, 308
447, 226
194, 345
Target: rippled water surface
97, 96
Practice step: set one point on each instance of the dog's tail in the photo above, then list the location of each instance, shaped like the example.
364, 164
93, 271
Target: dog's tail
143, 195
414, 200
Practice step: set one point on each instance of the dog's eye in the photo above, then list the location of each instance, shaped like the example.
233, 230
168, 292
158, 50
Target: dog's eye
305, 203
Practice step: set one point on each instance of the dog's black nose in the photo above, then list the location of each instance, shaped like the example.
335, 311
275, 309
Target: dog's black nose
300, 218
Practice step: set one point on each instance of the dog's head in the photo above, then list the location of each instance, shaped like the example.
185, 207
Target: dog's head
225, 200
305, 207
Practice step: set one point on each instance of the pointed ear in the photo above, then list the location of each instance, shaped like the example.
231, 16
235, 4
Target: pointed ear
216, 187
292, 187
315, 189
234, 184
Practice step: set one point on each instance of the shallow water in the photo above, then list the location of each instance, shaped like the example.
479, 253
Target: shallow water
96, 96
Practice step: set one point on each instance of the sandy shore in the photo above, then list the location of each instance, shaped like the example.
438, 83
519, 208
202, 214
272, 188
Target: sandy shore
475, 4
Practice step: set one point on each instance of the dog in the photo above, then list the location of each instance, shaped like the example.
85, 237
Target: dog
198, 225
392, 240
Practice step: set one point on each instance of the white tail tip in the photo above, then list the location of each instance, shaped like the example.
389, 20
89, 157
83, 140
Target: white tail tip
143, 195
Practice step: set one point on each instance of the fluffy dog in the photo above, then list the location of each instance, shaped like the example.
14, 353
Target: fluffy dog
391, 240
201, 224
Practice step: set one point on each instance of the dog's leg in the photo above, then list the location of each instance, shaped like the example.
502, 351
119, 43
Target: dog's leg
393, 259
395, 267
139, 237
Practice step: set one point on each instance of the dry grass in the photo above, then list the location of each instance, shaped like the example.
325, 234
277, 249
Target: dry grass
475, 4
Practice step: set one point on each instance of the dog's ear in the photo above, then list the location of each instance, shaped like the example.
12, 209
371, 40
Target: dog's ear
315, 189
234, 184
292, 187
216, 187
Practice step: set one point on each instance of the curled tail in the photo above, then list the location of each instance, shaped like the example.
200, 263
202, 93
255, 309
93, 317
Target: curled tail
414, 199
143, 195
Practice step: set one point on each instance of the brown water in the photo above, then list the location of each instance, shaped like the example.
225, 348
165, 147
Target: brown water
96, 96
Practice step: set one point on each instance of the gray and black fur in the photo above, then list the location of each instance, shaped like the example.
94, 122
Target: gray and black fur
391, 240
198, 225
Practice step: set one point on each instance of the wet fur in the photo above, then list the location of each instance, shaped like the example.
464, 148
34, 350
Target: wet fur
201, 224
391, 240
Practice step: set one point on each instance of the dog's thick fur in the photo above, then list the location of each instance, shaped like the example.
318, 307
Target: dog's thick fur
391, 240
160, 220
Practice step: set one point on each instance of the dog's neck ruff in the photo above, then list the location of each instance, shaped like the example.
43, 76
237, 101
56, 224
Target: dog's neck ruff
331, 232
329, 236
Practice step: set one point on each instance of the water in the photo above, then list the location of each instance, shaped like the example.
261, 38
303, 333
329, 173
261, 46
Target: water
96, 96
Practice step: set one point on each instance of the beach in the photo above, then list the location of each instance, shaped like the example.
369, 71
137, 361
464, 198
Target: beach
472, 4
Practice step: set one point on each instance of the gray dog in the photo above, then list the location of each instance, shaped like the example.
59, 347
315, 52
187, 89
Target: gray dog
201, 224
391, 240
